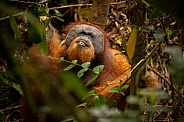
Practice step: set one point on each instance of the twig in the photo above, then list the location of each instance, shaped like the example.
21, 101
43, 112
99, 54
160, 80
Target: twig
60, 7
18, 14
160, 75
9, 108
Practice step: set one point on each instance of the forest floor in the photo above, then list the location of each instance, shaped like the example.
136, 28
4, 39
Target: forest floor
118, 28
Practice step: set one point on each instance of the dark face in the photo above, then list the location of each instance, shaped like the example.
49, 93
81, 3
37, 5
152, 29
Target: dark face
89, 34
83, 42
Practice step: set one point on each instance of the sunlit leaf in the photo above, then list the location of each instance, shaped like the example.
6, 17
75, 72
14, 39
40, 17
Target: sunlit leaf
85, 12
169, 33
82, 105
98, 69
114, 89
14, 27
124, 87
131, 43
69, 67
81, 72
60, 60
58, 13
86, 64
89, 94
74, 61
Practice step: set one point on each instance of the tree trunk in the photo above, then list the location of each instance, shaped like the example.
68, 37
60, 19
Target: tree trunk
99, 14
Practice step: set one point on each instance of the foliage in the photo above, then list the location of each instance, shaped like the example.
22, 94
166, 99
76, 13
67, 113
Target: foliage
99, 107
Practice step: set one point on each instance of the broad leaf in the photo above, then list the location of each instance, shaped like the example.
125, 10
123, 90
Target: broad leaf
81, 72
36, 29
81, 105
98, 69
110, 102
131, 43
74, 61
73, 84
99, 100
14, 27
85, 12
94, 77
89, 94
176, 67
69, 67
60, 60
114, 89
58, 14
124, 87
86, 64
159, 36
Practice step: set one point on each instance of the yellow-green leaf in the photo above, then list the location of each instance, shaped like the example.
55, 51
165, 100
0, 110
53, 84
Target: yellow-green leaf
85, 12
131, 43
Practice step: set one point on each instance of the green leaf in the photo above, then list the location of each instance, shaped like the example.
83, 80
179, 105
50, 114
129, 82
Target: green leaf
14, 27
110, 102
74, 61
17, 87
153, 93
131, 43
33, 24
169, 33
64, 2
4, 80
98, 69
58, 14
36, 29
81, 72
60, 60
43, 44
69, 67
94, 77
82, 105
176, 67
85, 12
131, 99
90, 93
86, 65
124, 87
159, 36
48, 21
73, 84
114, 89
2, 115
99, 100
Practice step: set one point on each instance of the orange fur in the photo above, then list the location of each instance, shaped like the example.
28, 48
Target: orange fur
80, 54
116, 66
